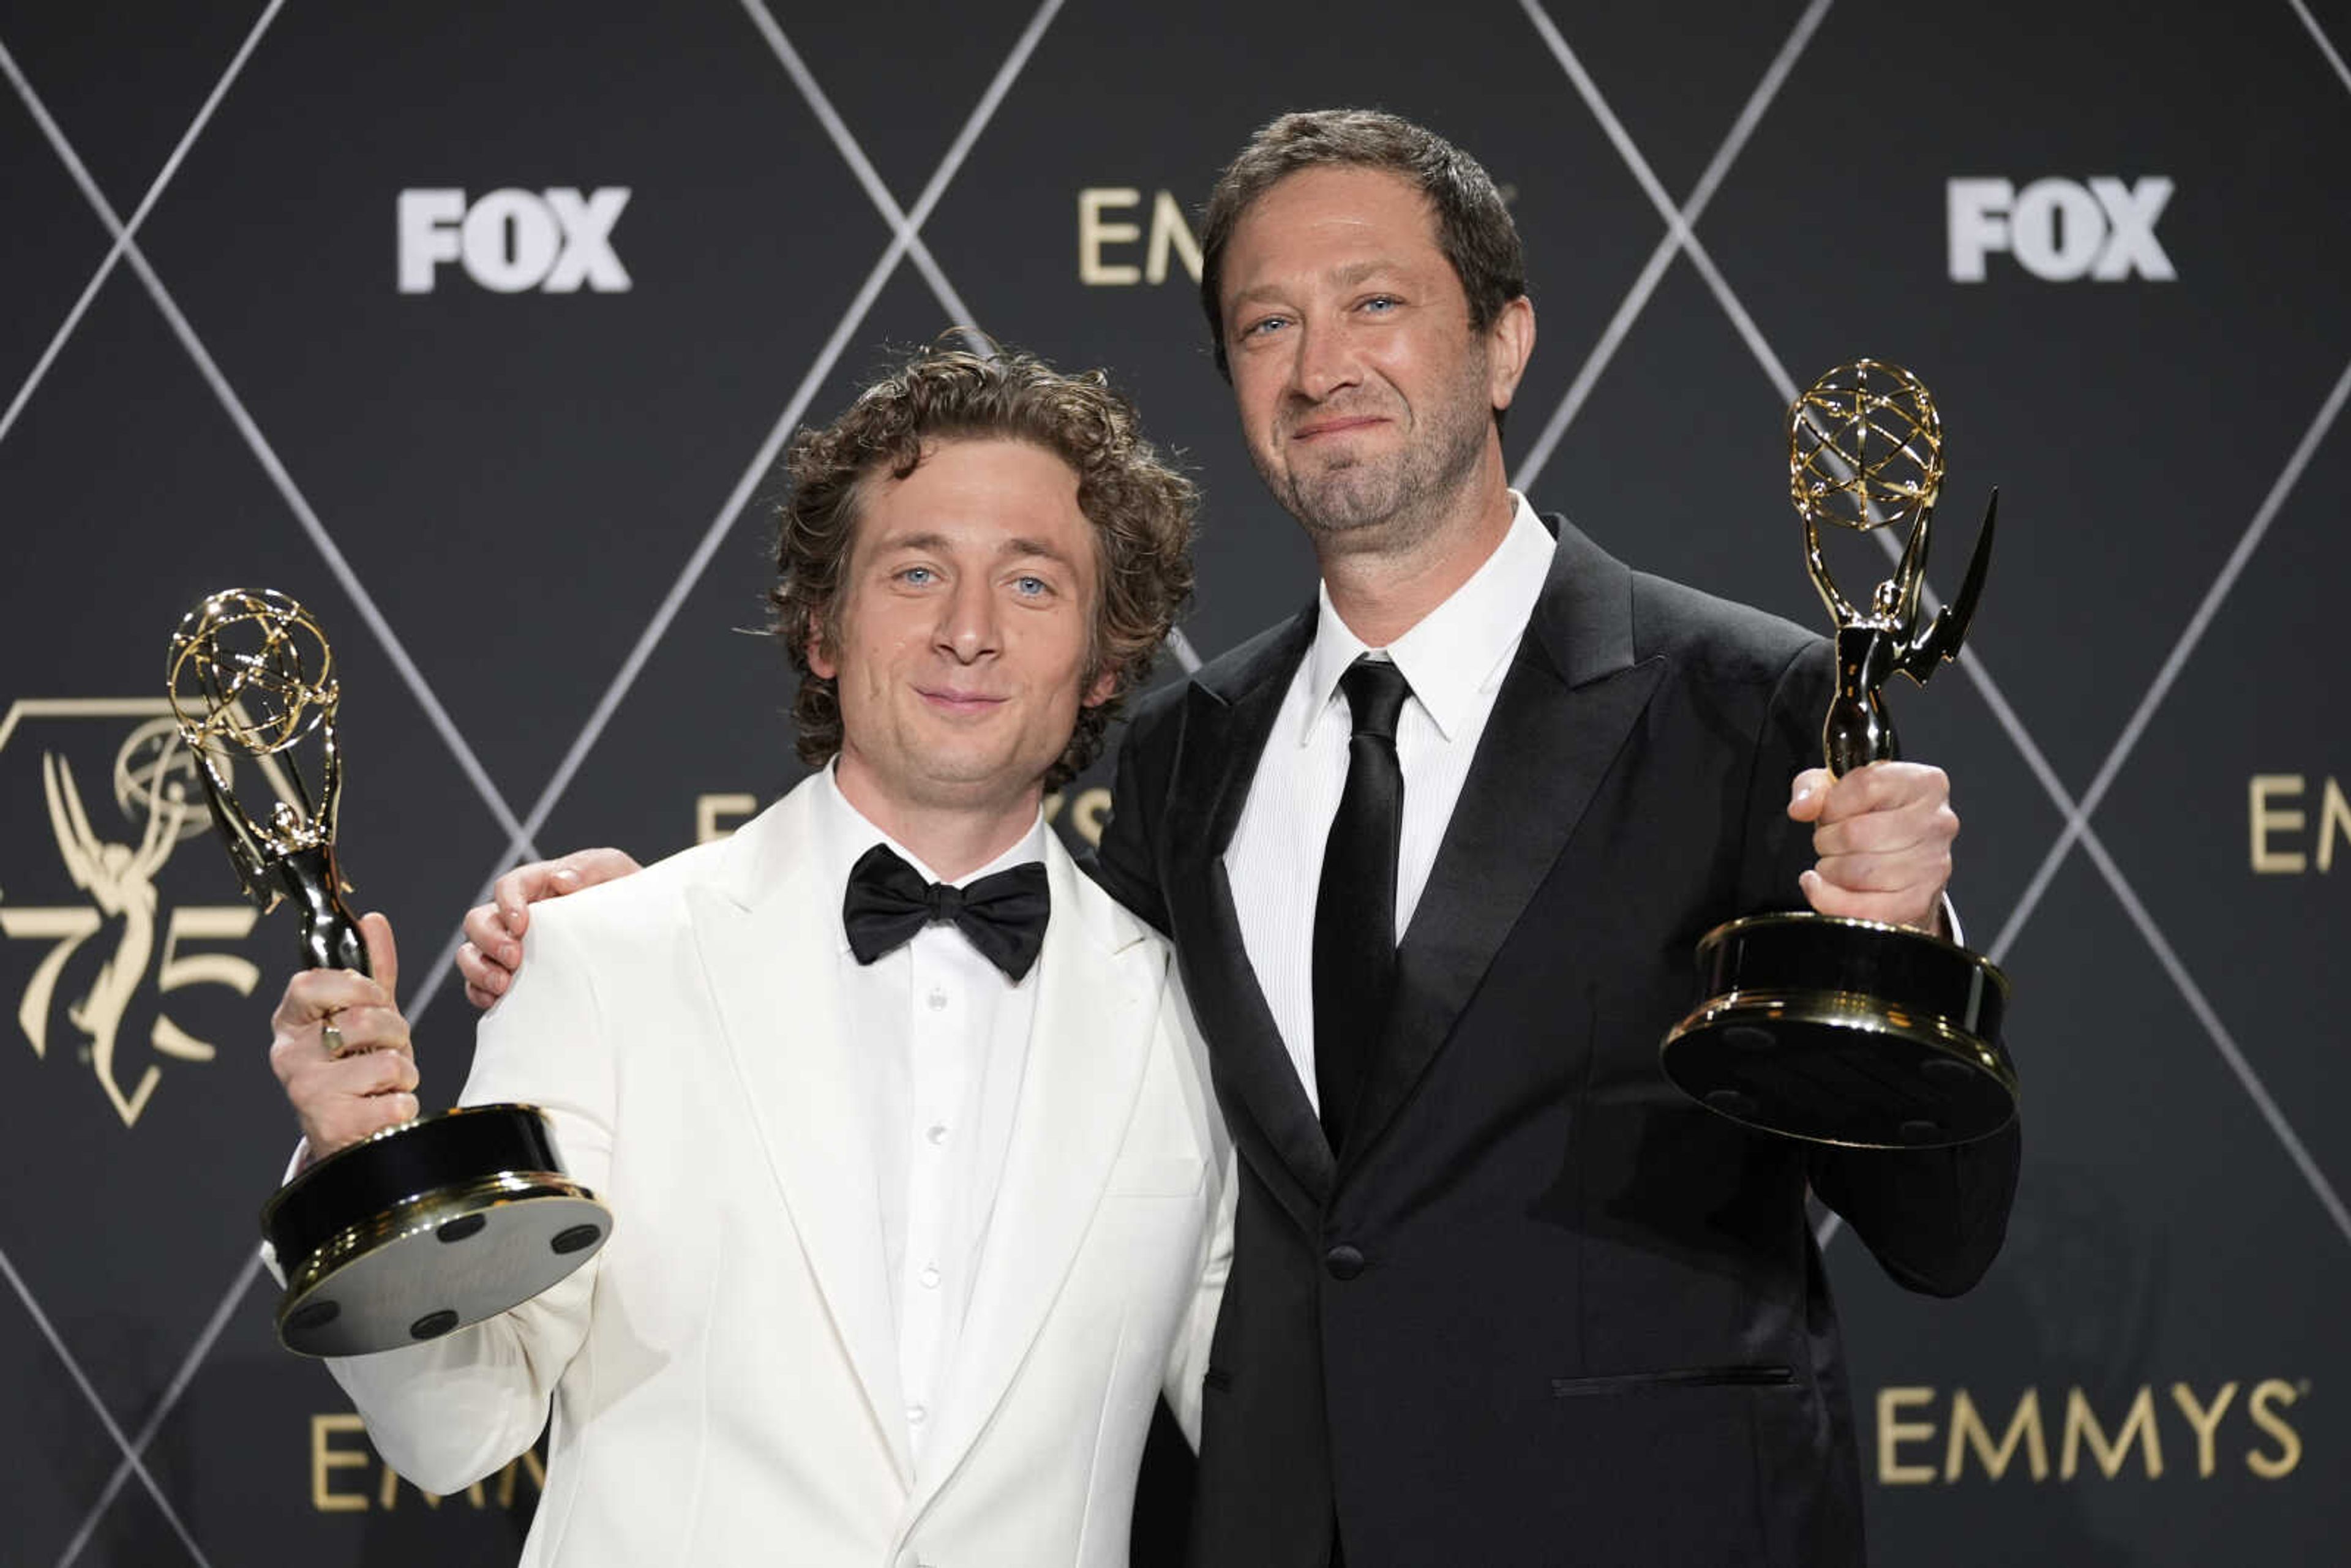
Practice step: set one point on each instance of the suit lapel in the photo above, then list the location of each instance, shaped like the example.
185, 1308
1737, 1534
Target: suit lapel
1089, 1042
1226, 727
769, 933
1572, 696
1226, 719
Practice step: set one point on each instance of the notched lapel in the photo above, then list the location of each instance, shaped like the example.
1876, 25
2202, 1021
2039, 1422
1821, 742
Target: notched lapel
1570, 698
769, 964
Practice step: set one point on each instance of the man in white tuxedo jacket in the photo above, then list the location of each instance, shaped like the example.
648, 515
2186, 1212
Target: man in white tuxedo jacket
915, 1214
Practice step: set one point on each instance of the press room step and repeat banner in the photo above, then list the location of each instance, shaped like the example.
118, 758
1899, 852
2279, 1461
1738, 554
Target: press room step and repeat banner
477, 327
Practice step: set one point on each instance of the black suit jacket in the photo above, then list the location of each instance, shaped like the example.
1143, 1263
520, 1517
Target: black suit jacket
1545, 1310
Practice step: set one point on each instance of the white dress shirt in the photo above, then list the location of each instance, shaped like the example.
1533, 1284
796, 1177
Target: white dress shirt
949, 1036
1453, 659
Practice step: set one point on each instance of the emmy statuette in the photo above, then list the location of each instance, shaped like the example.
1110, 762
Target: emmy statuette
1853, 1031
424, 1227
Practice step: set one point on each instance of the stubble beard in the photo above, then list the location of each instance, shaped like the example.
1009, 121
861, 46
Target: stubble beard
1391, 504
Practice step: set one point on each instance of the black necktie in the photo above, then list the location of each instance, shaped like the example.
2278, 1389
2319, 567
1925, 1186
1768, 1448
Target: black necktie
1003, 914
1354, 908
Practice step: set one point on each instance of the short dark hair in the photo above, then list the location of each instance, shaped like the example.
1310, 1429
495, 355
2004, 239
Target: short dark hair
1141, 507
1473, 226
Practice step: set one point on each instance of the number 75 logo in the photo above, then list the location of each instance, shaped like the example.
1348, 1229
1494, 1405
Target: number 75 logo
102, 946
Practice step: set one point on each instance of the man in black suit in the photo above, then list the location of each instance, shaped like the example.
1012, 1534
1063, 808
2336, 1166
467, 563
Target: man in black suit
1435, 854
1500, 1293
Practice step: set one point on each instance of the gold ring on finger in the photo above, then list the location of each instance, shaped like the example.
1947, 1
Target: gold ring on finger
332, 1038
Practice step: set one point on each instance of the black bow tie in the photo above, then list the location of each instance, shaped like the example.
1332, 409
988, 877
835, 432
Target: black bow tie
1003, 915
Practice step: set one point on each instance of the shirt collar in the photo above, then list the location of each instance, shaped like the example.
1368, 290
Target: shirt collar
845, 833
1458, 650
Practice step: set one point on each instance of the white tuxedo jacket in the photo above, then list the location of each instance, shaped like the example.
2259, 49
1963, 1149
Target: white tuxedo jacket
723, 1375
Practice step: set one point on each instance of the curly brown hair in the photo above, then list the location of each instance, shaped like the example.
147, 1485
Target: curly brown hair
1141, 507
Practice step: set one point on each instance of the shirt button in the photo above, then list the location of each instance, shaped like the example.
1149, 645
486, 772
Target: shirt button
916, 1414
937, 998
936, 1133
929, 1276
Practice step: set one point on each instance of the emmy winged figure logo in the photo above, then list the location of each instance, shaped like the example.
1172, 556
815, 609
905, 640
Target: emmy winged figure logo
113, 954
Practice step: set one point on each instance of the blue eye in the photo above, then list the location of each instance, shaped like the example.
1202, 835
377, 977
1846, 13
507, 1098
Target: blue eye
1264, 324
1032, 587
1381, 302
918, 575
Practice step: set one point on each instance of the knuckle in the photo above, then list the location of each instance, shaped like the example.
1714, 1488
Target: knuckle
1854, 874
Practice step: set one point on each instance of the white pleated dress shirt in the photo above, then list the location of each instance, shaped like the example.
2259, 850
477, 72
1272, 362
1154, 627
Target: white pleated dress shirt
1453, 659
948, 1036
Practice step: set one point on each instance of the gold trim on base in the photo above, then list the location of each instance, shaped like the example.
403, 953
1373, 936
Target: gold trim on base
421, 1212
1854, 1010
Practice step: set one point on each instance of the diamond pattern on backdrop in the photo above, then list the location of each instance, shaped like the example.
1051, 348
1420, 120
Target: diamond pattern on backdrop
1686, 284
1768, 359
268, 135
904, 223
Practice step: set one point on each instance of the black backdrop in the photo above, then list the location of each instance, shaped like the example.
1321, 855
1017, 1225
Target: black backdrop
521, 480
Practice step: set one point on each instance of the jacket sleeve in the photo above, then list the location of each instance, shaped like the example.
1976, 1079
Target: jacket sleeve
1187, 1359
450, 1412
1934, 1218
1127, 862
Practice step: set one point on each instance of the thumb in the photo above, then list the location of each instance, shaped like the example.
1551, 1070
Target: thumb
1808, 794
383, 955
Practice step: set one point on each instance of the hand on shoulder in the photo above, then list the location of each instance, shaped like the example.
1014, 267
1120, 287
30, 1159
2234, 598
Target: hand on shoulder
492, 950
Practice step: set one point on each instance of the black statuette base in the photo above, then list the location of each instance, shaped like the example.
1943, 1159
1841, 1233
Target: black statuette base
425, 1228
1846, 1032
